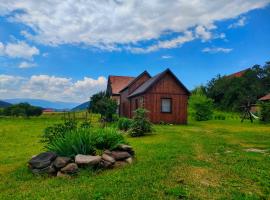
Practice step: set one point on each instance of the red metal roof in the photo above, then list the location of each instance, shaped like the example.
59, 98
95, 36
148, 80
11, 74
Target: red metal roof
238, 74
265, 98
119, 82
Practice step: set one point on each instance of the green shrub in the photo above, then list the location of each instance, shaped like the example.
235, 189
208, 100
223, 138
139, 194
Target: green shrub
220, 117
85, 141
102, 103
124, 124
22, 109
265, 112
58, 130
140, 124
201, 107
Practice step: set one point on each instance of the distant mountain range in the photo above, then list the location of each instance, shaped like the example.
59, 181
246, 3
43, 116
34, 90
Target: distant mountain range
44, 103
82, 106
4, 104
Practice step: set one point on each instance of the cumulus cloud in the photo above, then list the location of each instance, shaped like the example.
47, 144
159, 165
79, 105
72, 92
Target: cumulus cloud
24, 65
19, 49
241, 22
50, 87
216, 50
119, 24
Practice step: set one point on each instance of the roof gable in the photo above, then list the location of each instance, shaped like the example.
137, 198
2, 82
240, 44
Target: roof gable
265, 98
151, 82
117, 83
135, 80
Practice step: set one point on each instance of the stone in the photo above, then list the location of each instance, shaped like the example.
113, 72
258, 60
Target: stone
124, 147
129, 160
61, 162
71, 168
105, 164
108, 152
120, 164
47, 170
108, 158
87, 160
120, 155
62, 175
42, 160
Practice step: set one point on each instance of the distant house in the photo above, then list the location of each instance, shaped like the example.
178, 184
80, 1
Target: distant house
238, 74
163, 95
265, 98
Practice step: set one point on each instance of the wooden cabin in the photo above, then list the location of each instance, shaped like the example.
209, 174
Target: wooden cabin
163, 95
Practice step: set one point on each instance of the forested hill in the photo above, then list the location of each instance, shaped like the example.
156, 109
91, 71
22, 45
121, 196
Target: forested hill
4, 104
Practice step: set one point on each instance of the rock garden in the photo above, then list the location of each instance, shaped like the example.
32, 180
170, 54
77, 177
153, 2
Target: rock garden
52, 164
71, 146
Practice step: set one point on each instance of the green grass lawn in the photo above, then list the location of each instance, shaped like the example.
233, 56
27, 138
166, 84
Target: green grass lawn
203, 160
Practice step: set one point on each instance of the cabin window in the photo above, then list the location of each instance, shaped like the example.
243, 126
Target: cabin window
166, 105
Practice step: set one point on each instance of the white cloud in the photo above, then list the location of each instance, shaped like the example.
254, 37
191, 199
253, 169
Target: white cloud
241, 22
216, 50
203, 33
19, 49
118, 24
50, 87
24, 65
166, 57
166, 44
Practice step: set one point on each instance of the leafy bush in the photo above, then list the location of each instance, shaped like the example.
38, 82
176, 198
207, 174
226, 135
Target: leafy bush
124, 124
58, 131
220, 117
85, 141
265, 112
140, 123
201, 106
101, 103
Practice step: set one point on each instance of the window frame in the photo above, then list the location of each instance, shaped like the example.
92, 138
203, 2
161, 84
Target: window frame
165, 98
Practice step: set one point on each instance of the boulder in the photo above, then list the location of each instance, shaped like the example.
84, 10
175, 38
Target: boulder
61, 162
62, 175
71, 168
105, 164
124, 147
129, 160
108, 158
120, 155
47, 170
120, 164
87, 160
42, 160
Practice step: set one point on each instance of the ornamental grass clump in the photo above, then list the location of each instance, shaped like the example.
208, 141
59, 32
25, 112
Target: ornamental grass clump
85, 141
140, 123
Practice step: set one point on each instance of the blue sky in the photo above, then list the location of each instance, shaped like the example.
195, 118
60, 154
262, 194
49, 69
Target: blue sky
64, 51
